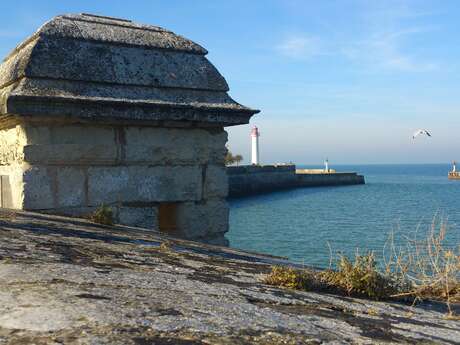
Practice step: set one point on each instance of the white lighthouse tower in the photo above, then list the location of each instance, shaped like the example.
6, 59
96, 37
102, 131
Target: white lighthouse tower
255, 145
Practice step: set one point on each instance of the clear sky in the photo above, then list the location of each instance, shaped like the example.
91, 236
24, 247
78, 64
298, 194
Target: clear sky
347, 80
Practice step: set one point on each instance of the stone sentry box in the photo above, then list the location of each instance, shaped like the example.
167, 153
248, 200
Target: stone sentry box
98, 110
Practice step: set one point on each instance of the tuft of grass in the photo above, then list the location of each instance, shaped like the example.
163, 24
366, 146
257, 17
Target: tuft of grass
357, 278
166, 246
360, 277
290, 278
103, 215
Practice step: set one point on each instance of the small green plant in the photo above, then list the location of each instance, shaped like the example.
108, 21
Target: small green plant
103, 215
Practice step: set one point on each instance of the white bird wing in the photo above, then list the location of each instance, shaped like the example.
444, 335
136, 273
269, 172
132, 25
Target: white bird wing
421, 131
416, 134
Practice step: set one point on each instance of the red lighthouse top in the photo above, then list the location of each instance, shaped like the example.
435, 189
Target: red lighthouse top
255, 132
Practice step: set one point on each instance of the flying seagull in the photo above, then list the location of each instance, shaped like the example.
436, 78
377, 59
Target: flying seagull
419, 132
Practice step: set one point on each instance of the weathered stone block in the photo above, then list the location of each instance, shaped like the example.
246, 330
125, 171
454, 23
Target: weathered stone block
216, 144
9, 137
200, 220
161, 155
166, 145
74, 154
144, 217
216, 182
38, 188
10, 154
34, 134
70, 186
10, 146
80, 134
143, 184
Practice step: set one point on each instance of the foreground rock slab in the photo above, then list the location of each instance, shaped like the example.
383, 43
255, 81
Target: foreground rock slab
69, 281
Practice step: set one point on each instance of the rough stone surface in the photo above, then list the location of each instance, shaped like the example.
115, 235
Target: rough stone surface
145, 217
149, 145
202, 220
39, 188
143, 184
62, 154
89, 67
71, 186
216, 181
68, 281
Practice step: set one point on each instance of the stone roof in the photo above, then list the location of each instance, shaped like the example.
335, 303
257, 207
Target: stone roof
102, 68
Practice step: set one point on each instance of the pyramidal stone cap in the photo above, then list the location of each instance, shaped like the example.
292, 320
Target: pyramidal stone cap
105, 69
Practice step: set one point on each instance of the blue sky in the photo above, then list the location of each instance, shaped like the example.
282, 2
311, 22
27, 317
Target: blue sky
347, 80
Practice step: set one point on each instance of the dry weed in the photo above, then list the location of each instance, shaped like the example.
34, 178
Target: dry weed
103, 215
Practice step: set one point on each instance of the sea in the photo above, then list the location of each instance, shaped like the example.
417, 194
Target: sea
397, 205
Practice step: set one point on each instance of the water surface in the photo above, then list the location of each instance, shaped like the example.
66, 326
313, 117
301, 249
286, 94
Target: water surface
300, 223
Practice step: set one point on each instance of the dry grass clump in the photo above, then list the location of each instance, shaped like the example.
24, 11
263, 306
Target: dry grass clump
429, 267
360, 277
417, 270
292, 278
166, 246
103, 215
357, 278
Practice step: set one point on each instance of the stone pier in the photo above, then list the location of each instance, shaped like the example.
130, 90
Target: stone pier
255, 179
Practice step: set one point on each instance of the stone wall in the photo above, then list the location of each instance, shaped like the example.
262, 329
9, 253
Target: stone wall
329, 179
247, 180
73, 169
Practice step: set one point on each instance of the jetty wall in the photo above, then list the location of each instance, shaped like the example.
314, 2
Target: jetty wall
254, 179
328, 179
250, 179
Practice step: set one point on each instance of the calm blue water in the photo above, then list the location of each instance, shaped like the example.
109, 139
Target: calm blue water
299, 223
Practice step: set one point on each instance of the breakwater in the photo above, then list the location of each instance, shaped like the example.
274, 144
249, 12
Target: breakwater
251, 179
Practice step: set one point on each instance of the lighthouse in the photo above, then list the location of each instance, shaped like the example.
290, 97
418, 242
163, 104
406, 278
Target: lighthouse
255, 145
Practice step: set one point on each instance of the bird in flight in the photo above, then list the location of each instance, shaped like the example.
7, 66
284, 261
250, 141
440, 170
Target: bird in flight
421, 131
